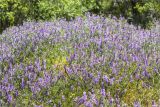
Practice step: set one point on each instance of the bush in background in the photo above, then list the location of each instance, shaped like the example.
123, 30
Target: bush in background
12, 12
138, 12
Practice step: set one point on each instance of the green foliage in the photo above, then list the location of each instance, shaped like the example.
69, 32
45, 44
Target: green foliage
147, 11
138, 12
12, 12
71, 8
91, 5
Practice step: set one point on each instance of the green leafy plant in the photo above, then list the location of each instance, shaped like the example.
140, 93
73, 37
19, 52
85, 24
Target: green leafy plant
12, 13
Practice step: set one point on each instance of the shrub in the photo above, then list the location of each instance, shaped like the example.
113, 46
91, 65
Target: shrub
138, 12
12, 12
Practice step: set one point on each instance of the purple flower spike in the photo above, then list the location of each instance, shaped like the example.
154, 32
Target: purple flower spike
111, 101
112, 81
106, 79
84, 96
22, 83
146, 74
103, 92
44, 64
154, 104
9, 98
137, 104
88, 104
94, 100
63, 97
96, 80
83, 99
37, 106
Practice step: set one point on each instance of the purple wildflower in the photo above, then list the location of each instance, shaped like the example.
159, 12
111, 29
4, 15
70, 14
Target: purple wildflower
154, 104
137, 104
9, 98
88, 104
22, 83
103, 92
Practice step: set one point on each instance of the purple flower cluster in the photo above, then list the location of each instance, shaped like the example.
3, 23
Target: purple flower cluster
103, 56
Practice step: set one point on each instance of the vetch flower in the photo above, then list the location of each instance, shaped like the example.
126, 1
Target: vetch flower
111, 101
154, 104
82, 99
111, 81
22, 83
103, 92
106, 79
137, 104
88, 104
9, 98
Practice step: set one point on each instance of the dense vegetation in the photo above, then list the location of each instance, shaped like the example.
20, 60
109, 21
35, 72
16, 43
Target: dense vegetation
138, 12
79, 53
89, 61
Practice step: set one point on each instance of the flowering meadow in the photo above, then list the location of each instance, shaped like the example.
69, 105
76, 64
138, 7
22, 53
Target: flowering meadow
90, 61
